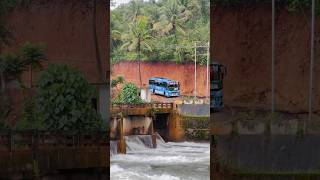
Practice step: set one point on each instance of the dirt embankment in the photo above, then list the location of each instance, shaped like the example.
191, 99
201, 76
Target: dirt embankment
184, 73
242, 42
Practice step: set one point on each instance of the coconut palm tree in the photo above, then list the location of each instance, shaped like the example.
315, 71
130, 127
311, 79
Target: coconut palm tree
174, 16
32, 55
138, 39
5, 37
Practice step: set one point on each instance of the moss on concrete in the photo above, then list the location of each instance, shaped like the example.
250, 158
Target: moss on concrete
196, 127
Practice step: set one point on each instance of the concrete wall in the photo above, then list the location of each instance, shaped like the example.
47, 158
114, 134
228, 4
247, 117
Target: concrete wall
275, 153
194, 109
65, 27
242, 42
250, 141
184, 73
131, 122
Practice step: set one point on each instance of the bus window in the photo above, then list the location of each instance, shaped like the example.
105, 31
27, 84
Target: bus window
152, 82
164, 84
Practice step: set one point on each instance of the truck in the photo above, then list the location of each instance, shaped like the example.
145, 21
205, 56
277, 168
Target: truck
217, 74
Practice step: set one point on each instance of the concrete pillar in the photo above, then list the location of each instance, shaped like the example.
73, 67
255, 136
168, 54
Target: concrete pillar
145, 94
153, 134
104, 104
122, 141
176, 130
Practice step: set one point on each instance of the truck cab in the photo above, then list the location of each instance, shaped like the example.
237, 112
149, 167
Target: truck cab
217, 74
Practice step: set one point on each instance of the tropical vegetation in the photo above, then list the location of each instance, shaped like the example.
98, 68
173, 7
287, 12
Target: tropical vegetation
63, 99
129, 94
162, 30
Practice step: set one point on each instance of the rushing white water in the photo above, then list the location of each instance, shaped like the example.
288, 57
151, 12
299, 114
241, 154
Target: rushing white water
169, 161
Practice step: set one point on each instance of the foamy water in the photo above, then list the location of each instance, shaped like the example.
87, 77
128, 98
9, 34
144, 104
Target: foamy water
169, 161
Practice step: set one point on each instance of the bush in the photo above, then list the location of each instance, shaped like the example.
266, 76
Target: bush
30, 116
116, 81
129, 94
5, 108
64, 100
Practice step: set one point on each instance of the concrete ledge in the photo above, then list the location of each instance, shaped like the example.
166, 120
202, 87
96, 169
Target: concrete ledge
54, 158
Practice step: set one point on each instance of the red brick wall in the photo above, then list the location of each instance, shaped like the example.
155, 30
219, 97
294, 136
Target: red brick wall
184, 73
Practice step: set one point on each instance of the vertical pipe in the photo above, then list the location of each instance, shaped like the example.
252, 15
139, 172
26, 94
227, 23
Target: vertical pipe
208, 60
311, 61
195, 69
273, 60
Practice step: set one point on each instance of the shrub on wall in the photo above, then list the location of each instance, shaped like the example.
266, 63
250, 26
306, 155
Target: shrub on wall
30, 117
5, 108
129, 94
64, 100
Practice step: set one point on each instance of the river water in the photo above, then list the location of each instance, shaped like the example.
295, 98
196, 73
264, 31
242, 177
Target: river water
169, 161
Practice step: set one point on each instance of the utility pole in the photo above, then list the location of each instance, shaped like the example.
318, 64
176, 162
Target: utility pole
311, 62
208, 75
273, 60
195, 69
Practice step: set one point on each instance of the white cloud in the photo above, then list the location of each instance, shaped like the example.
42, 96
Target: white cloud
118, 2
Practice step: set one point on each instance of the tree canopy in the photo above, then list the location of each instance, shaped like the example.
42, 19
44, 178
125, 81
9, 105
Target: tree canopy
168, 33
64, 100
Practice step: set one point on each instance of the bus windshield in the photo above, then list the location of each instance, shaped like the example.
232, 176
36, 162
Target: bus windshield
173, 87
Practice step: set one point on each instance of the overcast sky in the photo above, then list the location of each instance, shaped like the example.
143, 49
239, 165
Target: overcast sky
118, 2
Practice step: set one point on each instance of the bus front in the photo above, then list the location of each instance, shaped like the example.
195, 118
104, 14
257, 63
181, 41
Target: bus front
173, 89
217, 73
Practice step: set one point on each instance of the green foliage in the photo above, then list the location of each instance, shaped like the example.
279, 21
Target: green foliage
33, 54
116, 81
5, 35
30, 118
7, 5
12, 65
196, 127
174, 25
5, 108
129, 94
64, 100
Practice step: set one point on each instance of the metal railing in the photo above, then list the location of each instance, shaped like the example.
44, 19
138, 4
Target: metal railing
144, 105
33, 139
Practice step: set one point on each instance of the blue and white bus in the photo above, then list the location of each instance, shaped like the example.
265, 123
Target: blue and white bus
164, 86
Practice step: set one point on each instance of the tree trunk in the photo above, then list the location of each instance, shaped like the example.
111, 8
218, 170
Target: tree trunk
139, 62
3, 83
30, 76
102, 78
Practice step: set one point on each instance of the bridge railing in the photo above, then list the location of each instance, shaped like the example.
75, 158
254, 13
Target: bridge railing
12, 140
143, 105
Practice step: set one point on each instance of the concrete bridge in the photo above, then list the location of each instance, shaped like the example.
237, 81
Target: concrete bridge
145, 119
34, 154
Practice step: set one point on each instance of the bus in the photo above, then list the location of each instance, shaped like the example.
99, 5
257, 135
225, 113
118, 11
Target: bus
164, 86
217, 73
